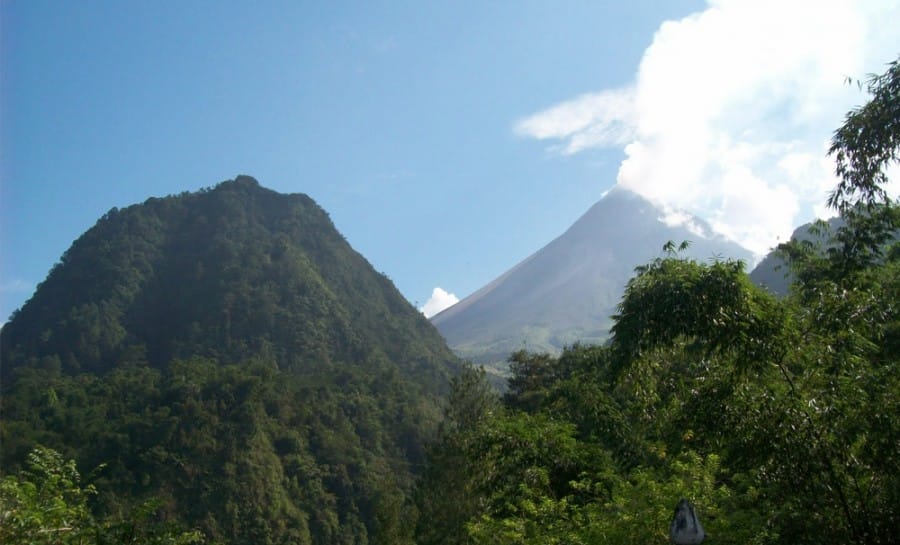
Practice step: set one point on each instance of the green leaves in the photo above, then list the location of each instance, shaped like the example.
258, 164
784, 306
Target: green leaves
712, 308
47, 504
867, 143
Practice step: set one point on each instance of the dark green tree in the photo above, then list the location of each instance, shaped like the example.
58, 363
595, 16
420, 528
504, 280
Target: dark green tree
446, 496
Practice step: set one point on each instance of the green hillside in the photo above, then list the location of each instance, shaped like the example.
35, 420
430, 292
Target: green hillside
229, 353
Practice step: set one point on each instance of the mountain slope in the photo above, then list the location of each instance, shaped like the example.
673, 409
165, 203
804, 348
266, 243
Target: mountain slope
223, 271
228, 352
773, 273
567, 290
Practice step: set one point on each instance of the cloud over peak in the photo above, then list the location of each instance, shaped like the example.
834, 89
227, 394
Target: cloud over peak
439, 300
731, 110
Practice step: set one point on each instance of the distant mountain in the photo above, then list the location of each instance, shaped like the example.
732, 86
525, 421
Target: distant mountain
568, 290
229, 353
773, 273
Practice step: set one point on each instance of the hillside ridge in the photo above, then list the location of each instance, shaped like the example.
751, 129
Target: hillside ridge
227, 352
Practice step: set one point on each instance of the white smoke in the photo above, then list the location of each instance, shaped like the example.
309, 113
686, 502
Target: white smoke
732, 108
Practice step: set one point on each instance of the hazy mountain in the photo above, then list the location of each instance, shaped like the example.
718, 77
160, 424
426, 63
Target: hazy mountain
567, 291
772, 272
228, 352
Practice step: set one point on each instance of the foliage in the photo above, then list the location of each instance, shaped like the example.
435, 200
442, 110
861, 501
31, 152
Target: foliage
712, 305
243, 452
798, 444
445, 496
48, 504
867, 143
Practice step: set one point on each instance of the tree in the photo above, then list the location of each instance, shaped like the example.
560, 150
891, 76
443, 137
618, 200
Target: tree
714, 307
446, 496
47, 504
863, 148
867, 143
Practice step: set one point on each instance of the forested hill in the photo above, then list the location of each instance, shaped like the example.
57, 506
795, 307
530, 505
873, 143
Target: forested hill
232, 272
229, 353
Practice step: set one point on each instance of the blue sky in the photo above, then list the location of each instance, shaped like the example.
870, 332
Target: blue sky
447, 140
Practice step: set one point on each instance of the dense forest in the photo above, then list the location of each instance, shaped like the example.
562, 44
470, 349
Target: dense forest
227, 355
247, 396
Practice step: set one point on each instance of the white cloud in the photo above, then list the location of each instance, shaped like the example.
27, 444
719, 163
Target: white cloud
438, 301
588, 121
731, 110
